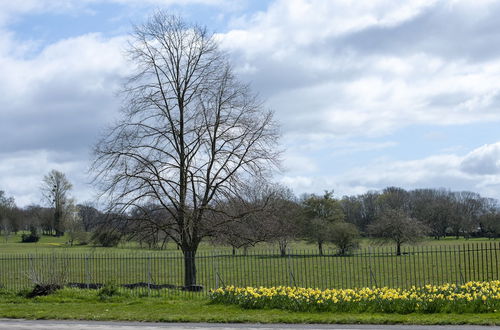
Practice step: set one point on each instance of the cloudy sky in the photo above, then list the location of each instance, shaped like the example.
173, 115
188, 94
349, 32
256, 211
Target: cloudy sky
369, 94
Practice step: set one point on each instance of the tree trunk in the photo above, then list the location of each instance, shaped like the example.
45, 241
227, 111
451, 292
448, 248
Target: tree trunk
282, 246
234, 250
189, 267
320, 247
398, 249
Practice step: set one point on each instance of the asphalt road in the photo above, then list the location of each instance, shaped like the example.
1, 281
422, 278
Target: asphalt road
92, 325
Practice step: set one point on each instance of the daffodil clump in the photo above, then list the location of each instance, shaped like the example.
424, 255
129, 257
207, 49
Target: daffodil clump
469, 297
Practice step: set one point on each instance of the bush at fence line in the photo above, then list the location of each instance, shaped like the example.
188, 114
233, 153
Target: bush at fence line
107, 291
473, 297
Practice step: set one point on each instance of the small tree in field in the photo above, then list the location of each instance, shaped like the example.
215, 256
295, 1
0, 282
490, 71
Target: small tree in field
320, 213
345, 236
395, 226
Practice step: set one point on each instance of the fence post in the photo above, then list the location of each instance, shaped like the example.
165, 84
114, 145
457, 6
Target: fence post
216, 269
149, 274
372, 276
31, 269
87, 271
290, 271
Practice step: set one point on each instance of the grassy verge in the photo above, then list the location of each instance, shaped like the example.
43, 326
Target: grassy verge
87, 305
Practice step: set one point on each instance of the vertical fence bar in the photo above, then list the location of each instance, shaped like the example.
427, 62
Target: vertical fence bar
149, 274
446, 277
493, 261
489, 261
267, 271
216, 269
436, 262
312, 259
427, 265
480, 261
305, 270
474, 268
497, 246
484, 253
468, 276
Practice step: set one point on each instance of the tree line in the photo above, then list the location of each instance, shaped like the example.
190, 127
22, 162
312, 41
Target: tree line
268, 213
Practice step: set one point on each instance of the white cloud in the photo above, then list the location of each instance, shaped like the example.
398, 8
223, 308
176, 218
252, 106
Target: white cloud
61, 95
53, 106
478, 170
483, 161
303, 57
21, 174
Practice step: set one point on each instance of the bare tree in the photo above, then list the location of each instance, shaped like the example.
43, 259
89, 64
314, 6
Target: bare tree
7, 206
90, 215
396, 226
55, 188
282, 217
190, 137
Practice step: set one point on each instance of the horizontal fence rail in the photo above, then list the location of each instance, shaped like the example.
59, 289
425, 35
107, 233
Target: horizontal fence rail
163, 272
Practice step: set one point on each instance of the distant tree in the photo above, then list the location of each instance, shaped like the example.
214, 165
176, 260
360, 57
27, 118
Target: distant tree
149, 225
434, 208
9, 216
468, 206
395, 226
268, 213
5, 227
490, 224
73, 225
353, 210
39, 217
320, 213
6, 201
281, 216
344, 235
394, 198
368, 209
55, 189
106, 237
90, 215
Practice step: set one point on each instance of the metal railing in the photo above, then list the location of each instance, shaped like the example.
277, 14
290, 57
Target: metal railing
163, 272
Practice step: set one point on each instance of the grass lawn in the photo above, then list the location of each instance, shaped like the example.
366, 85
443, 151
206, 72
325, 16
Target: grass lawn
86, 305
13, 245
426, 263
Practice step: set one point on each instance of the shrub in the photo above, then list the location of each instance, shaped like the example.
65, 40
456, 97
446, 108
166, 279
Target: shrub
107, 291
106, 238
43, 290
32, 237
344, 235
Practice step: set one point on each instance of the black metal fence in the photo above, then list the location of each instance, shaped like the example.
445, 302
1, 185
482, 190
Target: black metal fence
163, 272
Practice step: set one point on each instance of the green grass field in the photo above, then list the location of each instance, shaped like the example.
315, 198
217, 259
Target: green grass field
13, 244
453, 261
